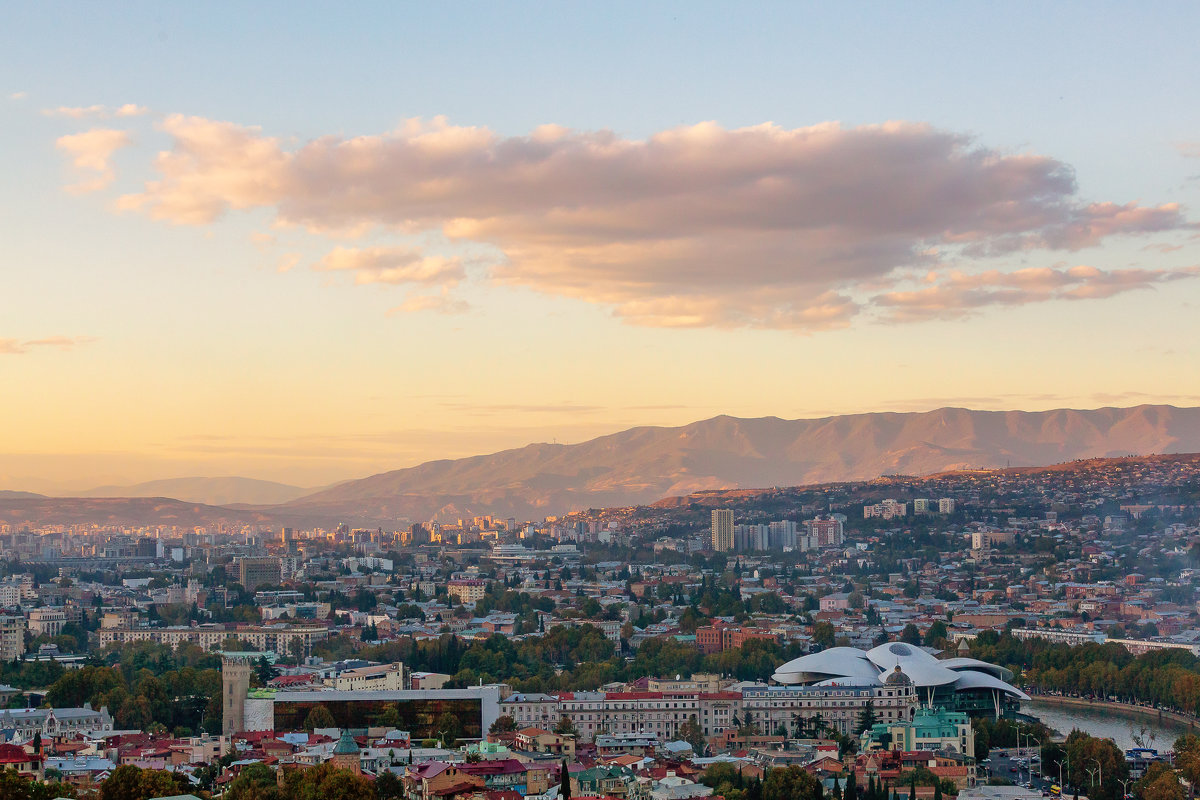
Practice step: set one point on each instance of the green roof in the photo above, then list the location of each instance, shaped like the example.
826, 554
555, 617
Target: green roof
346, 745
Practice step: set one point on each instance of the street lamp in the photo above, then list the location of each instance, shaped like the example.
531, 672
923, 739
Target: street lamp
1124, 785
1099, 767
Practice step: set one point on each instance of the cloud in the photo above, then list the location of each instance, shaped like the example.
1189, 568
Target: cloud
1189, 149
392, 265
699, 225
11, 347
90, 152
97, 111
960, 294
18, 95
439, 303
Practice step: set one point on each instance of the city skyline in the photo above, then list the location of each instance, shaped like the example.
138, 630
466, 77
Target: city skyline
308, 248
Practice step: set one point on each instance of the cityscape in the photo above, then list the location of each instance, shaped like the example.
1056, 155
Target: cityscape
599, 401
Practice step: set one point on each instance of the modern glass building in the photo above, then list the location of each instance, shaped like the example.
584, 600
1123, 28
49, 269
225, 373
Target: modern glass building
417, 712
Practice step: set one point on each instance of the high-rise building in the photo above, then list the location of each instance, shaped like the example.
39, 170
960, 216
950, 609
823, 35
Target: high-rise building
254, 572
946, 505
12, 638
722, 530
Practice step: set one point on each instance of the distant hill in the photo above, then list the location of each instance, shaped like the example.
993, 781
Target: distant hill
210, 491
644, 464
120, 511
6, 494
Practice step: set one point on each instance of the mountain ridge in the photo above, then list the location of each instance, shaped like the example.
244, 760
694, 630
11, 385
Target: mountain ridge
645, 463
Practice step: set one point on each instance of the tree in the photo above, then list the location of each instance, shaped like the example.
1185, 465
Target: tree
851, 790
824, 635
449, 728
692, 733
388, 786
910, 634
1159, 783
503, 724
254, 782
266, 673
130, 783
789, 783
564, 788
319, 717
866, 718
565, 727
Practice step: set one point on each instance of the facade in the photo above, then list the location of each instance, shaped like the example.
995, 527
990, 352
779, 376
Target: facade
51, 722
803, 710
12, 638
946, 505
957, 684
720, 637
417, 712
235, 682
929, 729
47, 621
825, 532
467, 591
383, 677
254, 572
722, 530
280, 638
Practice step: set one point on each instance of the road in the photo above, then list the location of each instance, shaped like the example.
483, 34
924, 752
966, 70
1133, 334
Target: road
1002, 763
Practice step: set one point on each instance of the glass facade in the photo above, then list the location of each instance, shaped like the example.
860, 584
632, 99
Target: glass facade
417, 716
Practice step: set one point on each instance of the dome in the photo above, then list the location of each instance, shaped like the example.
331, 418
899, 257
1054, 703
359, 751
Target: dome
898, 678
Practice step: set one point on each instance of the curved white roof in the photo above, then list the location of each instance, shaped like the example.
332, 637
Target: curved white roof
995, 670
836, 662
924, 669
983, 680
851, 666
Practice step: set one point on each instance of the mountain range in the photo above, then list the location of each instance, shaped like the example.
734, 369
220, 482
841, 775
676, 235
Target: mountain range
645, 464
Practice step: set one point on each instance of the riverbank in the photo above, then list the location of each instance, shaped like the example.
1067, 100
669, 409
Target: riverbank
1125, 709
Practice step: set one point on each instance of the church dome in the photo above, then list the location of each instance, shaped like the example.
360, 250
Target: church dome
897, 678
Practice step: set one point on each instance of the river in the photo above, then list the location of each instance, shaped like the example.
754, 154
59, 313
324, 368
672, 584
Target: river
1117, 724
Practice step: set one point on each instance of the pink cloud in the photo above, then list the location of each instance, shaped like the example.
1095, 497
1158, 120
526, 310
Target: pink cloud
22, 346
91, 152
961, 294
699, 225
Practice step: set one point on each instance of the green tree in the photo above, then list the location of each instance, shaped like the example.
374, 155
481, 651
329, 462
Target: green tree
692, 733
319, 717
130, 783
866, 718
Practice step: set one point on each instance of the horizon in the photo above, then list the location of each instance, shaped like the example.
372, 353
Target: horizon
49, 490
462, 231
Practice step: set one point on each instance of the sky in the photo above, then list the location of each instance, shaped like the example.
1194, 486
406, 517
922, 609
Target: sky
311, 242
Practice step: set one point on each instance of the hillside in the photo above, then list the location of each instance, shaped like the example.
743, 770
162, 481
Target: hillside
644, 464
210, 491
119, 511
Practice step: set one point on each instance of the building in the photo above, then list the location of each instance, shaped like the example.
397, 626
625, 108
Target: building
886, 509
379, 677
53, 722
929, 729
467, 590
277, 638
946, 505
722, 530
235, 682
12, 638
417, 712
346, 754
825, 531
47, 621
801, 710
957, 684
721, 636
255, 572
922, 505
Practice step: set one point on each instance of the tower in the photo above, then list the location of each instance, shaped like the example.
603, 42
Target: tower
722, 529
235, 682
345, 753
